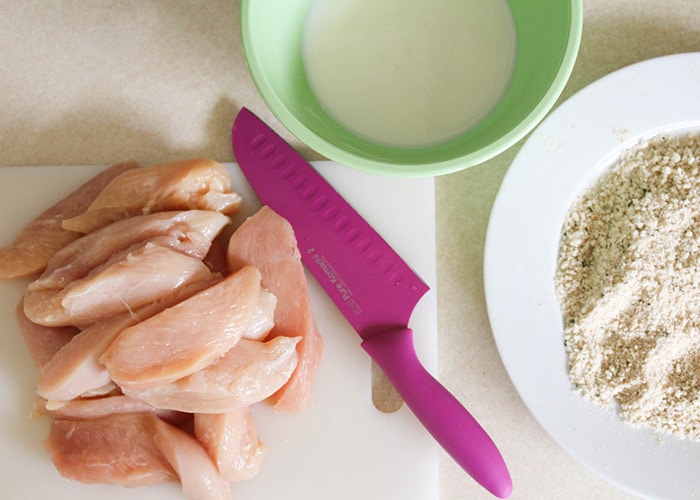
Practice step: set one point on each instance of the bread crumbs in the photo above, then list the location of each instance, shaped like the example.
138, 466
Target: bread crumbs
628, 282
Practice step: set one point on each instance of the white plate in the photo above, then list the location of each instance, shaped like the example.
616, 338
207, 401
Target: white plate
578, 141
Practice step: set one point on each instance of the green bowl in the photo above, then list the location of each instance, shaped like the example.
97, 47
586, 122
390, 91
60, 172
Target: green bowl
548, 34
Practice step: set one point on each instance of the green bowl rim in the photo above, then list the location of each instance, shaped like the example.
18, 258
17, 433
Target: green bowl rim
386, 168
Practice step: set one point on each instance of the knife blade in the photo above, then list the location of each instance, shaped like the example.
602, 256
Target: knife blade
371, 285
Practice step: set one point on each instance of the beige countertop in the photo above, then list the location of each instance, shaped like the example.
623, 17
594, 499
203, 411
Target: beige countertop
99, 82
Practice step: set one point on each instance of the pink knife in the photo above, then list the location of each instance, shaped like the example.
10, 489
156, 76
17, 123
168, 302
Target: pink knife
370, 284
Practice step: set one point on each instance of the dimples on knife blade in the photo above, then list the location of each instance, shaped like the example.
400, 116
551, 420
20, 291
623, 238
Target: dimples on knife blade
371, 284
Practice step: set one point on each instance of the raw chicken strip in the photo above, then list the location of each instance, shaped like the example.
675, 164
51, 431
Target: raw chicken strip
248, 373
116, 449
263, 318
191, 232
44, 236
183, 185
91, 408
42, 342
133, 279
186, 337
231, 440
267, 241
198, 475
108, 389
75, 370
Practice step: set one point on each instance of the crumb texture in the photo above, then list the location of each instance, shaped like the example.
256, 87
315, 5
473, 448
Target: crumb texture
628, 281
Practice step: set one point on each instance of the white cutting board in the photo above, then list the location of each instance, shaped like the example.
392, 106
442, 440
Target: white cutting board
342, 448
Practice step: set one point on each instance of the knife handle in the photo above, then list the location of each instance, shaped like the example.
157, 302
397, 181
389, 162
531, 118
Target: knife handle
452, 426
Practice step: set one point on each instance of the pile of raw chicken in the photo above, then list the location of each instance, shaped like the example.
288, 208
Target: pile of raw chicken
155, 325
